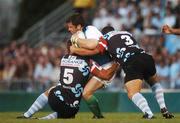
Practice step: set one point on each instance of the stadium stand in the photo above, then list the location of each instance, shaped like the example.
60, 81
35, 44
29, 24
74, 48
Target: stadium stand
143, 18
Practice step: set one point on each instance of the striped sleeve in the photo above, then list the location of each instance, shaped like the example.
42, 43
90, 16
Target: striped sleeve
102, 45
94, 67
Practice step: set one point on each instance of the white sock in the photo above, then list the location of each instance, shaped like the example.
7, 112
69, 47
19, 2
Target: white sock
39, 103
142, 104
50, 116
159, 94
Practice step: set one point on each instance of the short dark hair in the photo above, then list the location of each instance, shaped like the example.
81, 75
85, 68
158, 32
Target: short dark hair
76, 19
68, 44
107, 29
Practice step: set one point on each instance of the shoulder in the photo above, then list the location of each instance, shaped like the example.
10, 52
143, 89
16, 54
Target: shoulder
91, 28
115, 33
91, 32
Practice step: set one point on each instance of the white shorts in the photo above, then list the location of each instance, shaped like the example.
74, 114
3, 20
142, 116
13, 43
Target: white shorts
105, 82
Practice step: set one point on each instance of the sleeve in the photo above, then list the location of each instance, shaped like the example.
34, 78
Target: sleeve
92, 33
94, 66
102, 45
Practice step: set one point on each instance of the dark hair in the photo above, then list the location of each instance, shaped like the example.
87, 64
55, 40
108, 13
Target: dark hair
68, 44
76, 19
107, 29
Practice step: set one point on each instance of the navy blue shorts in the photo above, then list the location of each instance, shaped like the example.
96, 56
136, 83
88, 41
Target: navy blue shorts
63, 110
141, 66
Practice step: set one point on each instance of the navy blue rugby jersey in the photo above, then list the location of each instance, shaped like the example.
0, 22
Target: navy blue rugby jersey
120, 45
74, 74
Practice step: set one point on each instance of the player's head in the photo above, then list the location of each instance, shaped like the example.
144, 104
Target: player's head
107, 29
75, 23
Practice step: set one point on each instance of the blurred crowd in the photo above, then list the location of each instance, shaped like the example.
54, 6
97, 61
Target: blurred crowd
138, 16
144, 19
23, 67
39, 66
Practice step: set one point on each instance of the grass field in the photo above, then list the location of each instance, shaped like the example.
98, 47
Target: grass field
10, 117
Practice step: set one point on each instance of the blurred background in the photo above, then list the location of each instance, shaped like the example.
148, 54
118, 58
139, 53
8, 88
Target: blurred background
33, 38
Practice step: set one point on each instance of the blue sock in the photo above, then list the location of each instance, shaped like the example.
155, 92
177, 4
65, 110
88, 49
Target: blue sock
159, 95
50, 116
39, 103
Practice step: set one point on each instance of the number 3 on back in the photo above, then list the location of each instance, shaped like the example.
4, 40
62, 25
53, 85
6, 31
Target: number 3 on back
128, 39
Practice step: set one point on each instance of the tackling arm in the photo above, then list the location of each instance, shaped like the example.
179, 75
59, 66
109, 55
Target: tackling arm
84, 43
87, 43
83, 52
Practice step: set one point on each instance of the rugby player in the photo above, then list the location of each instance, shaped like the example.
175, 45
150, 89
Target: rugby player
136, 64
74, 24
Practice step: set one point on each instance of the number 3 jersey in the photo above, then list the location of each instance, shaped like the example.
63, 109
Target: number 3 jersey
120, 44
74, 74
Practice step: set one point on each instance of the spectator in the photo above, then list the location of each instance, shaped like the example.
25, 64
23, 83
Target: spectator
43, 71
163, 73
175, 71
1, 65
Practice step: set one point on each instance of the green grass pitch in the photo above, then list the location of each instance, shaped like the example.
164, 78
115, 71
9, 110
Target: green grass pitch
10, 117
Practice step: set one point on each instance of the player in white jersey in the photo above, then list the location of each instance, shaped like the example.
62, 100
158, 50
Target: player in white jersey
74, 24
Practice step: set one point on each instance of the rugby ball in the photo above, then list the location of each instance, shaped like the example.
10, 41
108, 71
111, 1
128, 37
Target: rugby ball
80, 34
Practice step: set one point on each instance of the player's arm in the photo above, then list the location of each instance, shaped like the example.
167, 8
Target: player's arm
87, 43
105, 74
84, 43
176, 31
83, 51
169, 30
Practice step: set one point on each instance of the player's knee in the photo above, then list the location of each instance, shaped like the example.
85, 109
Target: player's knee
131, 94
87, 95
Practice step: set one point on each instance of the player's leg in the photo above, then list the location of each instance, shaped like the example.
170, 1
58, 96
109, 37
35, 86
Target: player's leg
53, 115
133, 88
92, 102
151, 78
38, 104
159, 95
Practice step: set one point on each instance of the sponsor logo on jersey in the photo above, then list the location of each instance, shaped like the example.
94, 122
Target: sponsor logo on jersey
71, 62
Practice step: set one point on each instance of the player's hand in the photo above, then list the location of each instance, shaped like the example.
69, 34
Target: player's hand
72, 49
74, 38
166, 29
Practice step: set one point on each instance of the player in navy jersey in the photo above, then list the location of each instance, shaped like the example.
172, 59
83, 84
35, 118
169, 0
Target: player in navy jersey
65, 98
136, 64
74, 24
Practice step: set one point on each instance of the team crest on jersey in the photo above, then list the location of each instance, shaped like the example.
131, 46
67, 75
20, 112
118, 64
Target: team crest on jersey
77, 90
84, 68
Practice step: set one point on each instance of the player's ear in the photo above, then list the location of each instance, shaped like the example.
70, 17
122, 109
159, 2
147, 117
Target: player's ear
79, 27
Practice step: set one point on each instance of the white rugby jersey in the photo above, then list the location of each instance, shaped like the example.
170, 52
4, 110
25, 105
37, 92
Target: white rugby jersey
91, 32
